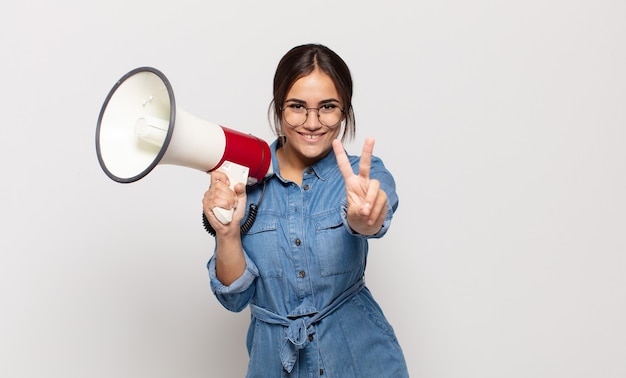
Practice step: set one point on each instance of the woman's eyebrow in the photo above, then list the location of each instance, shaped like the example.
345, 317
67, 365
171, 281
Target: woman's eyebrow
295, 100
327, 101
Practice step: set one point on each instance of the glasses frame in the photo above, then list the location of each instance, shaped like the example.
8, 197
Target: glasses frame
306, 116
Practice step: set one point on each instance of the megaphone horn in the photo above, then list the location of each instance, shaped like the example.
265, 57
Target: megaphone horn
140, 127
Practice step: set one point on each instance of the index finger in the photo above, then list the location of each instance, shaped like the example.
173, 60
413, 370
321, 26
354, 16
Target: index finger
217, 176
342, 160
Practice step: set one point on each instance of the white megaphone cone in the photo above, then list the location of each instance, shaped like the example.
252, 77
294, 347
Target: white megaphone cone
140, 127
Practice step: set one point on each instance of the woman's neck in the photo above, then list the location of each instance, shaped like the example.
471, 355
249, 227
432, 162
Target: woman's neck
290, 165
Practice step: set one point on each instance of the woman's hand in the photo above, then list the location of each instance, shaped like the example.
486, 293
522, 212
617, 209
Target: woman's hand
221, 195
367, 203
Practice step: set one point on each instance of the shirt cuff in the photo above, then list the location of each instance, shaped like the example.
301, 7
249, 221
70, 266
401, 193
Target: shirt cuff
383, 228
240, 285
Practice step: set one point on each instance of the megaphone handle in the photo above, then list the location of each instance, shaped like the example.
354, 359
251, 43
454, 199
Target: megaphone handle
236, 174
223, 215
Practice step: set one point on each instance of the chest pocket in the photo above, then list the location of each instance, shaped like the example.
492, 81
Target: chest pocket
261, 245
337, 251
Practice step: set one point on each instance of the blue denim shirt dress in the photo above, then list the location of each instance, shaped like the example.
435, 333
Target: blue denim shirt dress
311, 313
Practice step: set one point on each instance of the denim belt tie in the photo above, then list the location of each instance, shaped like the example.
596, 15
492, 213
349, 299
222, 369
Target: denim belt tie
297, 330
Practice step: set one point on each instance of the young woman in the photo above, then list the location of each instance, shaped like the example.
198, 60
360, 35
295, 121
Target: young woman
300, 266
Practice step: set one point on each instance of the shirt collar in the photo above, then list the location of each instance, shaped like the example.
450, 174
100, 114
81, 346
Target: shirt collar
322, 169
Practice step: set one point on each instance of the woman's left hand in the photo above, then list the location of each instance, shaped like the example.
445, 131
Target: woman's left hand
367, 203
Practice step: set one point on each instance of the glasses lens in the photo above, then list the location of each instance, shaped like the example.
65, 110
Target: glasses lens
329, 115
295, 115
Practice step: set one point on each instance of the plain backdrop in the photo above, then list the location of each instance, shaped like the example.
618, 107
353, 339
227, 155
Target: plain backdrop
504, 123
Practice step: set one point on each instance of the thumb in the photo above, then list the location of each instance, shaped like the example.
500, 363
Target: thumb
240, 191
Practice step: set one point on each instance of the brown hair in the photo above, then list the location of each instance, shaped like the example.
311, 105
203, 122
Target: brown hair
301, 61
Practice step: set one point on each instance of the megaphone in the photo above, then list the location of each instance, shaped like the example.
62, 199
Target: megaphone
140, 127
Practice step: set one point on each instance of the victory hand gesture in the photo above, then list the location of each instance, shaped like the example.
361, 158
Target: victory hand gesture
367, 203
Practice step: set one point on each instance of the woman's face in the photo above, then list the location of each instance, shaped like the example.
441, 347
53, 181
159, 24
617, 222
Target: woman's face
312, 140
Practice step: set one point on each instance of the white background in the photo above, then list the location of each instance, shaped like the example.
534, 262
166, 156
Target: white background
504, 123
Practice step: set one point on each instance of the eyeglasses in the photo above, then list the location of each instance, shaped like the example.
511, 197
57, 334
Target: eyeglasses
296, 114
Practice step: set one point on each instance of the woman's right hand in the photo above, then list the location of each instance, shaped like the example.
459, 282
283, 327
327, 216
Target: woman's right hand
221, 195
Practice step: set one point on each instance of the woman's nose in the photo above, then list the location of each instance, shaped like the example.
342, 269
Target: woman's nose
313, 118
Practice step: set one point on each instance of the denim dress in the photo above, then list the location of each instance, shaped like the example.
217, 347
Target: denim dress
311, 313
